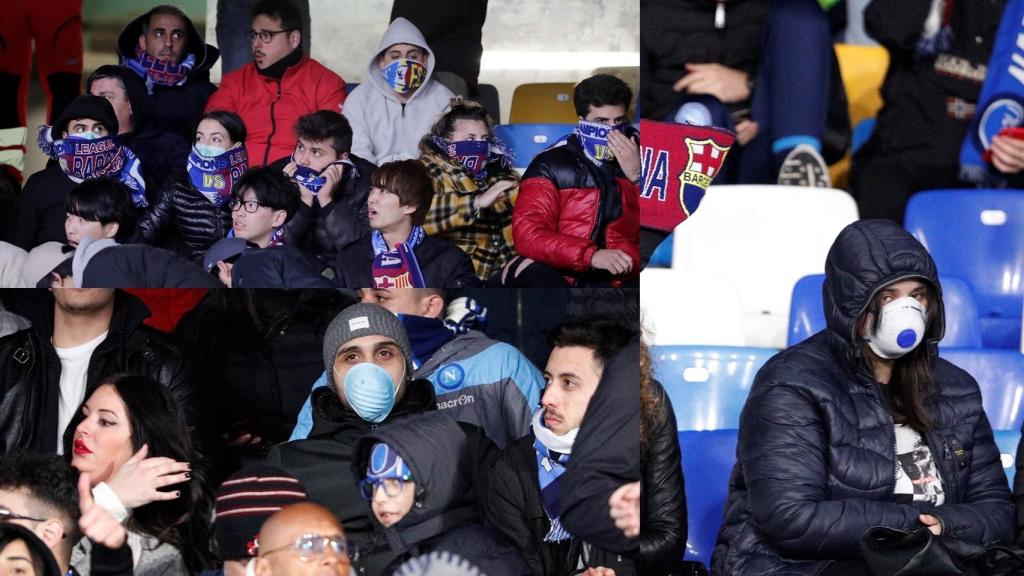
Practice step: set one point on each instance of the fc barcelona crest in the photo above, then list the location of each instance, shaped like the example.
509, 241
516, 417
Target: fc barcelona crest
703, 163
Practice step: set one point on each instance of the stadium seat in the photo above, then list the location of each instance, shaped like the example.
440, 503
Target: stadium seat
764, 239
528, 140
1007, 441
545, 103
861, 134
1000, 375
978, 235
863, 70
708, 385
708, 458
807, 314
684, 308
662, 256
350, 86
487, 94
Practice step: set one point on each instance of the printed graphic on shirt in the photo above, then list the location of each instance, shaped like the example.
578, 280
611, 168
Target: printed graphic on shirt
917, 478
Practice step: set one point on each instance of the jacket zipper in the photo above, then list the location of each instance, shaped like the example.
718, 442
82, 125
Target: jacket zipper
273, 124
892, 430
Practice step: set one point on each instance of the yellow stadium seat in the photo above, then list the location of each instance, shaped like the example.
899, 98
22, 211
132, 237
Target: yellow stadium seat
863, 70
547, 103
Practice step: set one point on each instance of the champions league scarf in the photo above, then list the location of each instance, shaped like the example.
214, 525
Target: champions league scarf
214, 177
552, 457
1001, 104
474, 156
314, 180
397, 268
83, 159
157, 72
593, 138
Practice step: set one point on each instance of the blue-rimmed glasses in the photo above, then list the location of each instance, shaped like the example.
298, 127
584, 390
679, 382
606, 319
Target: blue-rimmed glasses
392, 487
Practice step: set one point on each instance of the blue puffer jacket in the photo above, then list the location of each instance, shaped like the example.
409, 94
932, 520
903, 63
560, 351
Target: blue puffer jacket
816, 452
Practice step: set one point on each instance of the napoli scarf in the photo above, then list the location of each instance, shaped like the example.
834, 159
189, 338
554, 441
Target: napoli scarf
214, 177
157, 72
83, 159
1001, 104
426, 336
552, 456
397, 267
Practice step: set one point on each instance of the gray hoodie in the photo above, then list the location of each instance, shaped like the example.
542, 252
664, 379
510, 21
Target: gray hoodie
383, 128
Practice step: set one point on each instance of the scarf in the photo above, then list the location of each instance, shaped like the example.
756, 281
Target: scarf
475, 162
156, 72
1001, 103
397, 268
426, 336
277, 69
937, 33
314, 180
214, 177
553, 453
593, 137
84, 159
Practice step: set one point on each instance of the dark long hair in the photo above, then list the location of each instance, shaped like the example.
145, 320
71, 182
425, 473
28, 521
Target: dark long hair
913, 380
652, 409
156, 419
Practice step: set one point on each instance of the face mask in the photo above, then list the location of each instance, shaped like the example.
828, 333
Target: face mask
208, 151
900, 330
594, 139
214, 175
83, 136
472, 154
404, 76
370, 391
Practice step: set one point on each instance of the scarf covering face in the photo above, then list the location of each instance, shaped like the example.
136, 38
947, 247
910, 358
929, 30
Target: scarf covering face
214, 176
84, 157
397, 268
426, 336
404, 76
553, 453
593, 138
157, 72
475, 156
314, 180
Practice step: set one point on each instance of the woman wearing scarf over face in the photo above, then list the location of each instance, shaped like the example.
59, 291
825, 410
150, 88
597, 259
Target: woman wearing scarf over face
474, 184
84, 144
194, 209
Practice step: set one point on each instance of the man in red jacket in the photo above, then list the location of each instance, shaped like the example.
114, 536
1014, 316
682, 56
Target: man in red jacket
577, 218
281, 84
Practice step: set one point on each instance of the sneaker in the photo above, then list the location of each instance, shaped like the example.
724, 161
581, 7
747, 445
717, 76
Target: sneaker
803, 166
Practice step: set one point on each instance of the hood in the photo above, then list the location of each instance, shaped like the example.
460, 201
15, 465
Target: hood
437, 451
866, 256
401, 31
206, 55
330, 416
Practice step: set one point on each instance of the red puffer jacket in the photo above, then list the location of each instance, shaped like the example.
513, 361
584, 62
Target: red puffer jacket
561, 217
270, 107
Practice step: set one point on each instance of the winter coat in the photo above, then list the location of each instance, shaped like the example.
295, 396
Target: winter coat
176, 108
12, 258
42, 208
162, 154
485, 234
271, 107
276, 267
30, 369
180, 210
569, 208
443, 460
383, 128
443, 265
143, 266
817, 451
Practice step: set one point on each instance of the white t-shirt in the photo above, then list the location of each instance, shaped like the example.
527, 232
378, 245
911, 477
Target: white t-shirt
917, 478
74, 368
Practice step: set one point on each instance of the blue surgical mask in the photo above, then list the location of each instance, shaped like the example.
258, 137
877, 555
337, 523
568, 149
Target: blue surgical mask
83, 136
207, 151
370, 391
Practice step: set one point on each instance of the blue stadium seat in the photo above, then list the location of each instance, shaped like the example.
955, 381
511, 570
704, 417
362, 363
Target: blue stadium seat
708, 459
807, 315
861, 134
1000, 375
350, 86
708, 385
662, 256
528, 140
1007, 441
978, 235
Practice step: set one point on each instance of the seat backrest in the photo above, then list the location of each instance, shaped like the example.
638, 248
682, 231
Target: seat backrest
544, 103
528, 140
680, 308
763, 238
1007, 441
807, 314
662, 255
487, 94
863, 70
978, 235
350, 86
1000, 376
708, 460
708, 385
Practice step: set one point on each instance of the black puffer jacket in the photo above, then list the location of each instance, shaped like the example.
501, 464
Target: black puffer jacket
817, 446
41, 209
443, 265
180, 210
30, 369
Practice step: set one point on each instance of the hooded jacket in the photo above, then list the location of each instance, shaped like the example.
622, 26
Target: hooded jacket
441, 457
106, 264
816, 452
41, 209
176, 108
383, 128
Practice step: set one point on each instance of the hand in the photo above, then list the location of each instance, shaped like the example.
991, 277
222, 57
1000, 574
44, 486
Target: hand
96, 523
138, 481
602, 571
624, 508
727, 84
333, 175
746, 130
488, 198
615, 261
241, 435
224, 271
1008, 154
932, 523
627, 153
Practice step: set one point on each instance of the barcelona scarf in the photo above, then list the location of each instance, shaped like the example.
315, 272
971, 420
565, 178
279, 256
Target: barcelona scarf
214, 177
158, 72
83, 159
397, 267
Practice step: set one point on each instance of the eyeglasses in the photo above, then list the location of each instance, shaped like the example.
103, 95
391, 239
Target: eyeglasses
7, 515
392, 487
251, 206
312, 546
265, 36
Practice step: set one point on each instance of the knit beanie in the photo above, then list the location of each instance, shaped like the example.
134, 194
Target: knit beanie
87, 106
245, 500
361, 320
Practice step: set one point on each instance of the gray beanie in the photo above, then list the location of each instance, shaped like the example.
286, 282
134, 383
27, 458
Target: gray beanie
361, 320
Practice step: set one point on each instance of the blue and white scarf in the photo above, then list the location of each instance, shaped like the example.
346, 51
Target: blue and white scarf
397, 267
83, 159
552, 457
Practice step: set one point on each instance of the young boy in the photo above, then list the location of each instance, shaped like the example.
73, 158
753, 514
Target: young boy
98, 209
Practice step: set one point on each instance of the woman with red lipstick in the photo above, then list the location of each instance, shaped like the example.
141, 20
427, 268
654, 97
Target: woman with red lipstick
131, 440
